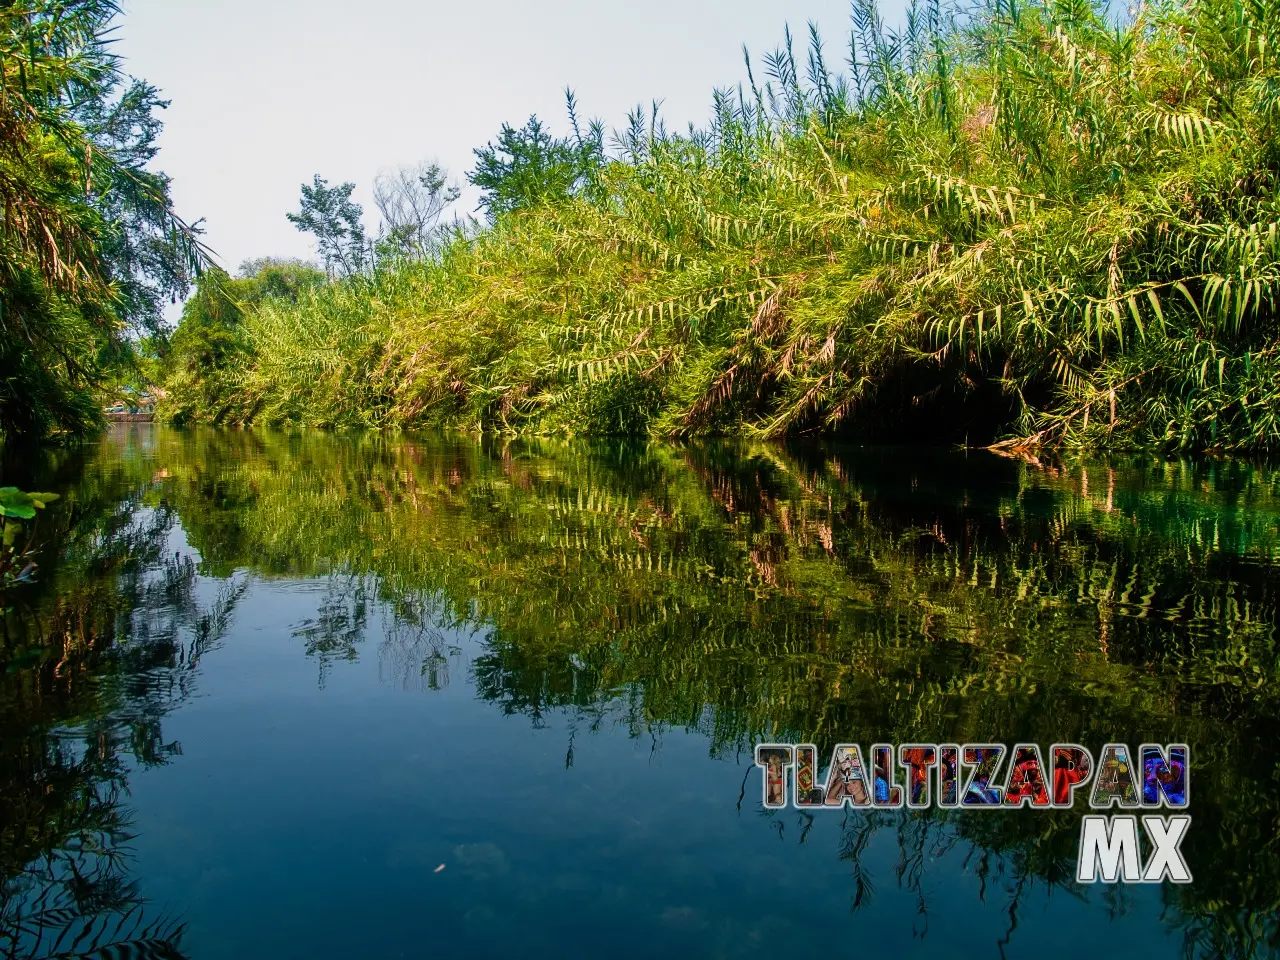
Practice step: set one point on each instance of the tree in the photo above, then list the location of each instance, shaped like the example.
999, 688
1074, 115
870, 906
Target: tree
209, 333
138, 251
334, 219
529, 166
272, 277
411, 201
89, 242
199, 370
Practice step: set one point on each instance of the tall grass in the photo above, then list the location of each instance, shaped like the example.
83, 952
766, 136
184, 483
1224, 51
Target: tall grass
1032, 224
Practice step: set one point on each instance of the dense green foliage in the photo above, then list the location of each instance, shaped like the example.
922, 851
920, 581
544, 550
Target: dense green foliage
1035, 224
89, 246
210, 338
529, 167
741, 592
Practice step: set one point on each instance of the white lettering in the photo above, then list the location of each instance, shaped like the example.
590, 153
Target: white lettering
1110, 843
1166, 858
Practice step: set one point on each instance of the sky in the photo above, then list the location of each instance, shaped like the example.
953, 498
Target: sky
266, 93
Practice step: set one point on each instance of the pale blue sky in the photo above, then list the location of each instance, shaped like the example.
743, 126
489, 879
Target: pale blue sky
266, 93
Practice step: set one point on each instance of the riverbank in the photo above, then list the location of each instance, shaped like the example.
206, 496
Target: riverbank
1039, 227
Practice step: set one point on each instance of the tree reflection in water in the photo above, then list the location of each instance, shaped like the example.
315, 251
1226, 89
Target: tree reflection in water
95, 655
744, 593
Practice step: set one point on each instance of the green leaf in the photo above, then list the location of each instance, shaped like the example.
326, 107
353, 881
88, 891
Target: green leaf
1155, 306
15, 503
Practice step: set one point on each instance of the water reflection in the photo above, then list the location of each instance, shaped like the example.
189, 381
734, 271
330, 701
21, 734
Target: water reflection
95, 656
738, 593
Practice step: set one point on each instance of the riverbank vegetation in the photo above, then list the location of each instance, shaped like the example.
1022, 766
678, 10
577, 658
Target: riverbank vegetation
1032, 224
90, 249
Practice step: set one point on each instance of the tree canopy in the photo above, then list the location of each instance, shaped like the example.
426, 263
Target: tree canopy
529, 166
90, 246
334, 219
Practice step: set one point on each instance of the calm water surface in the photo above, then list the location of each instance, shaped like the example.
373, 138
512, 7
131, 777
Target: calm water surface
327, 697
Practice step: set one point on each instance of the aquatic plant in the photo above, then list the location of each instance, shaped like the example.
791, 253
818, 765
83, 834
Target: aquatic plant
17, 561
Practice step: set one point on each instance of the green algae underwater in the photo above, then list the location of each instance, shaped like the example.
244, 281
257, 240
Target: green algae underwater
380, 696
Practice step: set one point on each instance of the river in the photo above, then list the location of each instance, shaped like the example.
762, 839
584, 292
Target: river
321, 696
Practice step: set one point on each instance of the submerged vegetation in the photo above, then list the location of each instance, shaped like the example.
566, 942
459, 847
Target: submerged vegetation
1032, 223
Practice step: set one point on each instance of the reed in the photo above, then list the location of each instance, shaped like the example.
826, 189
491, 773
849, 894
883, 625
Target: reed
1031, 226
